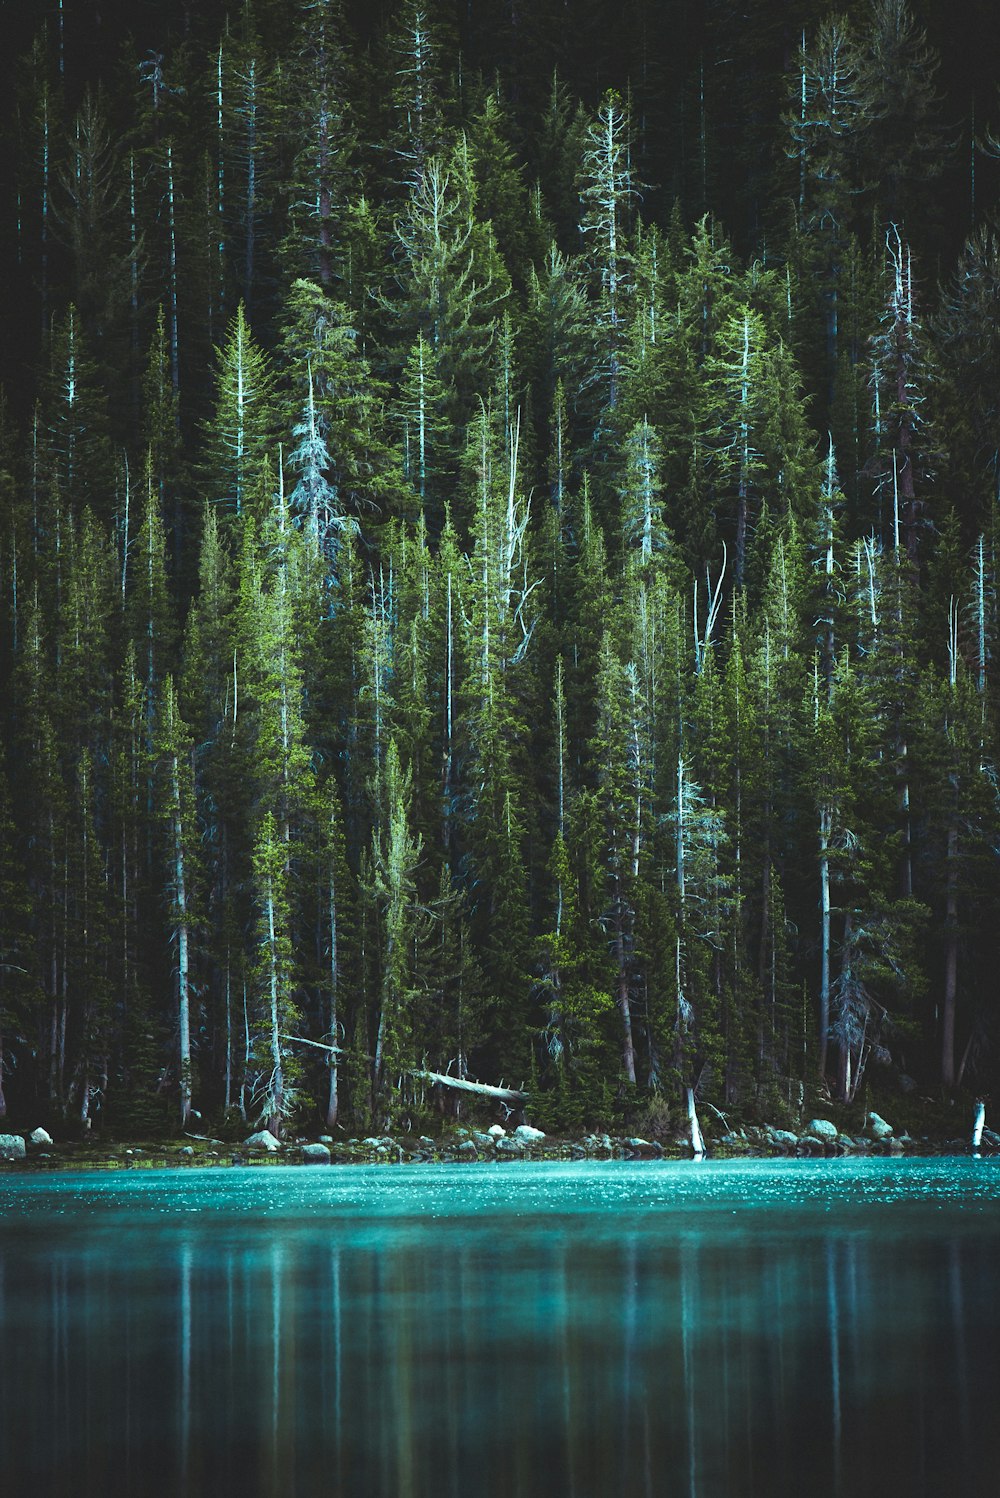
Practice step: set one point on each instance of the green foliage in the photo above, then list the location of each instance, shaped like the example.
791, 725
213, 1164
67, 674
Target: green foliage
588, 674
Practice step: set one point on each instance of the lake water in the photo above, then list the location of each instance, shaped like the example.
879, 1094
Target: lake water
714, 1330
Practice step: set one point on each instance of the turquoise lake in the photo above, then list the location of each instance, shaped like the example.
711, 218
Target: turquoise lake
829, 1329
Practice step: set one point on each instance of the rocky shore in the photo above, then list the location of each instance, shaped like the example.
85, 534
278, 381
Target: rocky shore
820, 1137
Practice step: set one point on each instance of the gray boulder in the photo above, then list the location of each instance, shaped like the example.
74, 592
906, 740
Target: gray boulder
822, 1128
810, 1145
508, 1147
525, 1134
262, 1140
39, 1137
784, 1138
315, 1154
11, 1147
644, 1149
878, 1128
467, 1150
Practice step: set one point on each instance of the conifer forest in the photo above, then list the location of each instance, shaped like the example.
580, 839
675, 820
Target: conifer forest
499, 547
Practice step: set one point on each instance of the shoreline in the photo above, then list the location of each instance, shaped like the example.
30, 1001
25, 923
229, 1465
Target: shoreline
473, 1148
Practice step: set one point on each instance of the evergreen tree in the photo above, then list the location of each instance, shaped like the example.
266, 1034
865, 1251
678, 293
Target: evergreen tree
238, 438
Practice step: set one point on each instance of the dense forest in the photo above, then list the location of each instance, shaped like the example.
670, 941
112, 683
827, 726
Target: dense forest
499, 558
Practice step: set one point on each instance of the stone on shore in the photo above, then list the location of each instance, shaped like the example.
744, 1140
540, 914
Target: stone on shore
315, 1154
262, 1140
11, 1147
878, 1128
39, 1137
644, 1149
525, 1134
822, 1128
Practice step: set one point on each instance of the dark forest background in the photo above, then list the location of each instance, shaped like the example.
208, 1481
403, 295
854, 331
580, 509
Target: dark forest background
498, 558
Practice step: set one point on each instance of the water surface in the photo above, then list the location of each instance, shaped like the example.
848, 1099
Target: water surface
722, 1330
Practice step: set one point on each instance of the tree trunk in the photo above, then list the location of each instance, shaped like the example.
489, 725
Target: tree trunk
825, 820
277, 1087
950, 963
624, 1004
697, 1141
183, 978
332, 1099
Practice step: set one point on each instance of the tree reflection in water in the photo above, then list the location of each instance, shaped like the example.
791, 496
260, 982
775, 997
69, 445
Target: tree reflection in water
712, 1351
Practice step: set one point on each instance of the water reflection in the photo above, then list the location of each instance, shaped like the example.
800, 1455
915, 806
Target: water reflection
708, 1354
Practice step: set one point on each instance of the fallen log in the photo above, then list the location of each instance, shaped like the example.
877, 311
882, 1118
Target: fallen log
337, 1050
462, 1084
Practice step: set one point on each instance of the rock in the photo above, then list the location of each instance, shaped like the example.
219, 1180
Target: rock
39, 1137
326, 1139
644, 1149
810, 1145
784, 1138
878, 1128
467, 1150
315, 1154
497, 1130
525, 1134
508, 1147
187, 1150
262, 1140
426, 1141
822, 1128
577, 1152
11, 1147
483, 1141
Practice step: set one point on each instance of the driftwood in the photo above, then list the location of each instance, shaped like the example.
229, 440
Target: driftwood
461, 1084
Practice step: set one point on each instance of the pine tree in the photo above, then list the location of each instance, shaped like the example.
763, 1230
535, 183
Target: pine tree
395, 856
451, 281
332, 403
318, 138
607, 191
238, 438
275, 1071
